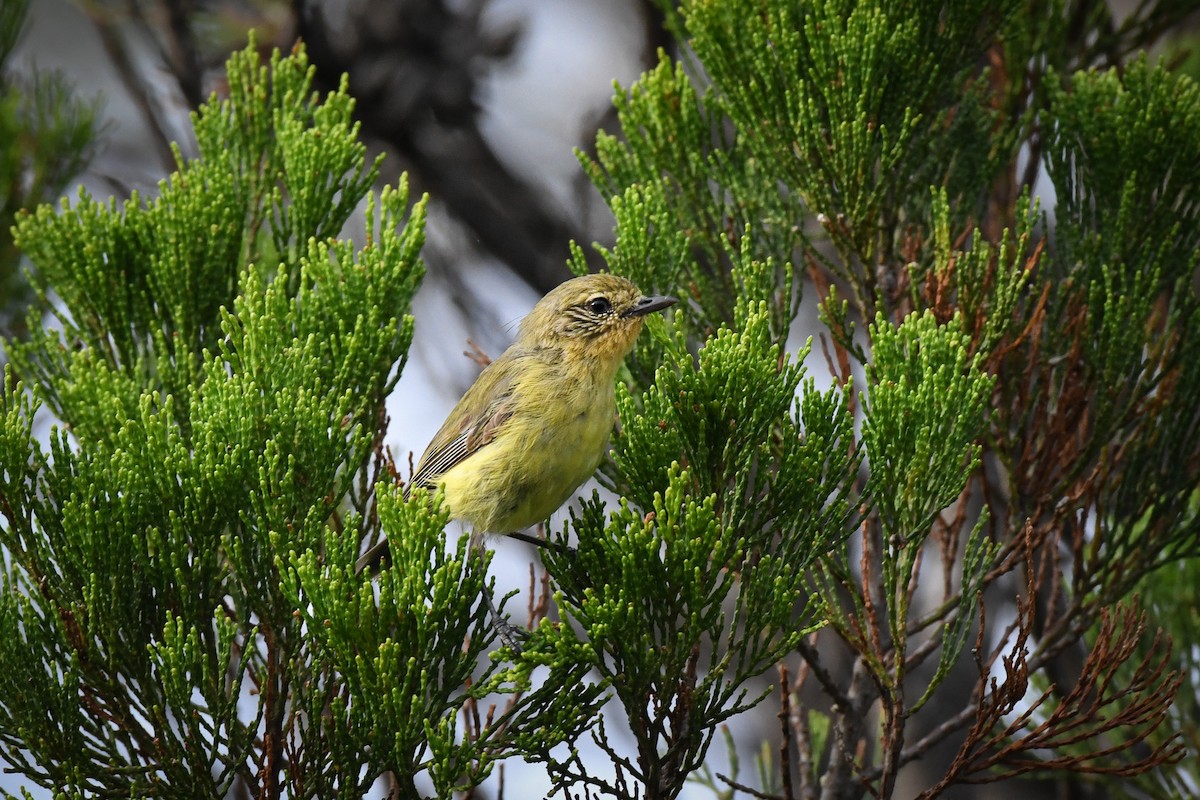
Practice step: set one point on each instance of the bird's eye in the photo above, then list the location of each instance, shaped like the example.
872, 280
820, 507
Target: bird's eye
599, 306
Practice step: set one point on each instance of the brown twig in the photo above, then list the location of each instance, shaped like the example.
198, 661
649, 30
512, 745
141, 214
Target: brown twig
785, 725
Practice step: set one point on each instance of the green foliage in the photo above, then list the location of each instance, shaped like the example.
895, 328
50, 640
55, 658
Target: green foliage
925, 411
1063, 373
1012, 410
1128, 213
405, 651
1121, 157
924, 414
825, 93
218, 409
180, 592
986, 284
695, 584
46, 137
1128, 238
399, 655
142, 284
690, 202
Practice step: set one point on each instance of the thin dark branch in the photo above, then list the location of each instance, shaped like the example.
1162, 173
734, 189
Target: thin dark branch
141, 93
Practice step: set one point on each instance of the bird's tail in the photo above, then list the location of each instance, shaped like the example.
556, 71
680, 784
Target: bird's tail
374, 558
378, 555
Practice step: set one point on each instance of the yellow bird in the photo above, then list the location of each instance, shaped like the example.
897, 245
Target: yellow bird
535, 424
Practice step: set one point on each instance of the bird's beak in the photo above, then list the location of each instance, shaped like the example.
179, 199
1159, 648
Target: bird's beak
648, 305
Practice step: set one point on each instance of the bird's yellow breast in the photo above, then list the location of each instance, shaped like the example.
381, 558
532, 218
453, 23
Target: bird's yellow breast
553, 442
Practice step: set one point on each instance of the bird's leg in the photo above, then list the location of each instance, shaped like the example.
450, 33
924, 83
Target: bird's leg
510, 635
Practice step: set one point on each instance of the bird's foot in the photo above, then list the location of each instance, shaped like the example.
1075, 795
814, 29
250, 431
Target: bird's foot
510, 635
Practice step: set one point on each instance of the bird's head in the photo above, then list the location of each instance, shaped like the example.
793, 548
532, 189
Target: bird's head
599, 316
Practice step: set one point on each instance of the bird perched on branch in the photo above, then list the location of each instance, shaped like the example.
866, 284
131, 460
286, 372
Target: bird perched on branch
535, 424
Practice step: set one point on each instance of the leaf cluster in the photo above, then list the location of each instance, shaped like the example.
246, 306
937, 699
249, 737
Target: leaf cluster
1013, 403
694, 585
1016, 371
217, 372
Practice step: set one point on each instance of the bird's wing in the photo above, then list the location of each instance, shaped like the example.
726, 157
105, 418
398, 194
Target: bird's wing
461, 435
464, 433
